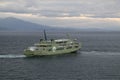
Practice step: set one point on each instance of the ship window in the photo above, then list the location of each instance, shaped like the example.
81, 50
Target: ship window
76, 46
61, 42
49, 49
69, 47
61, 48
44, 45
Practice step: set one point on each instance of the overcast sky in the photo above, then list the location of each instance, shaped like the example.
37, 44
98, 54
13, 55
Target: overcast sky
65, 13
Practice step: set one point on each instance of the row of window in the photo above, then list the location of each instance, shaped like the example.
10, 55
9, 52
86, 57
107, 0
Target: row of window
60, 48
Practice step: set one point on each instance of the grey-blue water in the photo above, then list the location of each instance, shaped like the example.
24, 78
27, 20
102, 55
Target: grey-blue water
99, 58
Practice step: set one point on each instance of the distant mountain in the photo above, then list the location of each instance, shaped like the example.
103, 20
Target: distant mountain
13, 24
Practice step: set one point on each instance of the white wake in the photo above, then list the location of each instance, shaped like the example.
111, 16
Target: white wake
12, 56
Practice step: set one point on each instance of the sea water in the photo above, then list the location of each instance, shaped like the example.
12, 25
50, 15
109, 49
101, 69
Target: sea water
99, 58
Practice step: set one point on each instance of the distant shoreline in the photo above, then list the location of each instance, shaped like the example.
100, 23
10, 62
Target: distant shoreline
36, 33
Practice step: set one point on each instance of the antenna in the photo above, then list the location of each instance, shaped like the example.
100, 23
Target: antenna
45, 35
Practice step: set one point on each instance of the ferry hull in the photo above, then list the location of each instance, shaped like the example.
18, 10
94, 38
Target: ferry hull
29, 53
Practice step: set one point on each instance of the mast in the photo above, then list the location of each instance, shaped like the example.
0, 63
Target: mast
45, 36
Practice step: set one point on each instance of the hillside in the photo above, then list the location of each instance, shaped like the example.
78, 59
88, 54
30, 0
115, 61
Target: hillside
13, 24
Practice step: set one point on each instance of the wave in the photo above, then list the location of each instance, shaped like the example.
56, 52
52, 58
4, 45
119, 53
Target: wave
100, 53
12, 56
82, 52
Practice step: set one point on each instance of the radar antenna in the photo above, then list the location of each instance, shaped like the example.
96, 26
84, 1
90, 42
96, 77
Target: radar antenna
45, 36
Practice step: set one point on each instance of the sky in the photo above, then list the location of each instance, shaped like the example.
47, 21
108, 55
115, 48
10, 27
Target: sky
101, 14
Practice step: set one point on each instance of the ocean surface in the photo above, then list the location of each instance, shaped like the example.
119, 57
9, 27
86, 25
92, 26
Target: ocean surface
99, 58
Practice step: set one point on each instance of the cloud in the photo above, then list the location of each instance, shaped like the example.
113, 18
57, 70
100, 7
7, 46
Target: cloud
53, 8
63, 13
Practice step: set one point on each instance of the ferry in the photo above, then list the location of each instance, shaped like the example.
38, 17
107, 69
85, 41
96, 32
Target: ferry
53, 47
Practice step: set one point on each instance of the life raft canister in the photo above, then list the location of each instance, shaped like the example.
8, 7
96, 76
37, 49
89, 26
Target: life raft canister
54, 49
